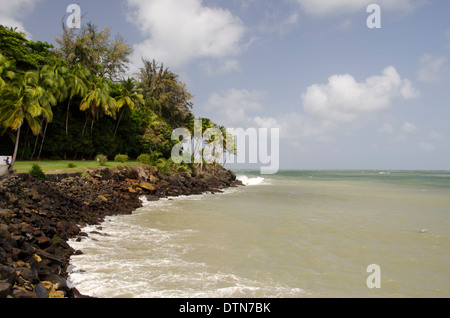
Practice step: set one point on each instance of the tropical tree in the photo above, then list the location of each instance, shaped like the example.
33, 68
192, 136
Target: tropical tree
77, 85
6, 72
51, 79
27, 55
20, 102
129, 96
95, 50
98, 101
173, 101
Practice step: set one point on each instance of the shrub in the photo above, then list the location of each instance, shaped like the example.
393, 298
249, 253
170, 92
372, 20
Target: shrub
71, 165
155, 156
182, 168
144, 158
164, 166
121, 158
36, 172
101, 159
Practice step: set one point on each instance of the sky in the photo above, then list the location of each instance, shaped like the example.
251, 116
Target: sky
344, 96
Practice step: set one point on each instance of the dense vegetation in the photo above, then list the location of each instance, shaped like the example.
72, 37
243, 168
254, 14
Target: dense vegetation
74, 102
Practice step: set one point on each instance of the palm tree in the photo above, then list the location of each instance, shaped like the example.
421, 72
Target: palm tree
173, 99
49, 87
18, 103
98, 101
76, 82
53, 82
129, 96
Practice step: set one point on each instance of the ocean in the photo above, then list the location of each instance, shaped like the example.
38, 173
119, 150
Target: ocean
296, 234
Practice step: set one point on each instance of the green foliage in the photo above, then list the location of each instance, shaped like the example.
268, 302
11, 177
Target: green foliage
144, 158
71, 165
166, 167
169, 97
121, 158
183, 168
27, 55
36, 172
101, 159
72, 103
95, 50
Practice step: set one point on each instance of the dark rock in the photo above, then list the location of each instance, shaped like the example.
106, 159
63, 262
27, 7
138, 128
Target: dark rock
74, 293
7, 274
42, 270
4, 232
6, 215
20, 254
28, 274
37, 218
40, 291
173, 180
5, 288
58, 281
22, 293
43, 241
50, 257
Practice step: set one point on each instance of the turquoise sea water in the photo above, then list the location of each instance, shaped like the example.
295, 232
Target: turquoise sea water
294, 234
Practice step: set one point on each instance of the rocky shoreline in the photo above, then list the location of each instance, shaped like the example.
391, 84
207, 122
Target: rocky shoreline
37, 218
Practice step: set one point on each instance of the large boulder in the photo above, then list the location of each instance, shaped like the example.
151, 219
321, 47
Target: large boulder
7, 274
147, 186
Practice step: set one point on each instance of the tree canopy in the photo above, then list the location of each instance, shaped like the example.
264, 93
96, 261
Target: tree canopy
76, 102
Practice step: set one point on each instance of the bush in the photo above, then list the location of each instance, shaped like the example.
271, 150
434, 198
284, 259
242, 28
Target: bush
101, 159
121, 158
71, 165
144, 158
36, 172
164, 166
155, 156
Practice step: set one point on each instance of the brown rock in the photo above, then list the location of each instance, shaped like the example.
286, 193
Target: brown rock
5, 288
147, 186
43, 241
18, 292
6, 215
4, 232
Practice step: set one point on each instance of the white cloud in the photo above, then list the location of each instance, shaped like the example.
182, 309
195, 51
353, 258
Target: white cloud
431, 68
386, 129
345, 24
334, 7
13, 12
408, 128
433, 135
344, 99
179, 31
221, 67
426, 147
294, 125
232, 107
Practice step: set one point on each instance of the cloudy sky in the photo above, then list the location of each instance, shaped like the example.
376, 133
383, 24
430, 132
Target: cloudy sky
343, 95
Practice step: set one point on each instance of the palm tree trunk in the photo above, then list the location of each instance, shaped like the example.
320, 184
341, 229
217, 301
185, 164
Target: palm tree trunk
43, 139
92, 125
67, 116
85, 124
35, 146
16, 147
118, 122
25, 144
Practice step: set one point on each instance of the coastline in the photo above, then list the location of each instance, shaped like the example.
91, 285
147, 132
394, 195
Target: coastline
37, 218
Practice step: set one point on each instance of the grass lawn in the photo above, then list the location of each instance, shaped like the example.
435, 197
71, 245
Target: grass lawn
61, 166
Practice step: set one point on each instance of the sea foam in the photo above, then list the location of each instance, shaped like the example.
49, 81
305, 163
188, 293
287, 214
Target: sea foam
251, 181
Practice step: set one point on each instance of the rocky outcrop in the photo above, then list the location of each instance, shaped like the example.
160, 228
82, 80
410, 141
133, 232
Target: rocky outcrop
38, 217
